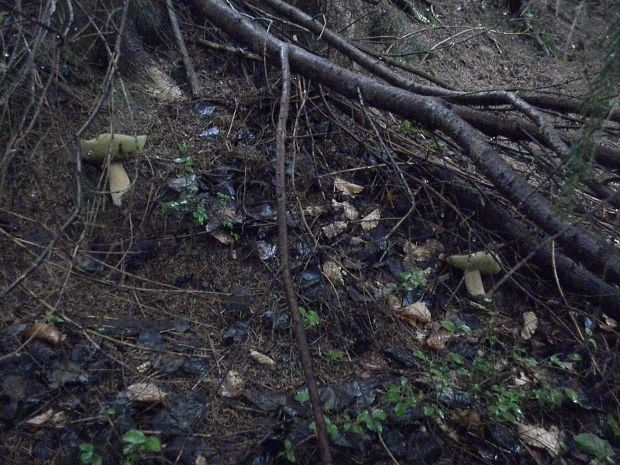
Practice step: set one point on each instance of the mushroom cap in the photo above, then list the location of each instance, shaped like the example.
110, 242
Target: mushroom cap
484, 262
119, 146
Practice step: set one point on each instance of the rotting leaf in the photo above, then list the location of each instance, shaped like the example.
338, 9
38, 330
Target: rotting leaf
437, 340
45, 332
56, 419
333, 272
263, 359
530, 324
223, 237
335, 228
350, 212
371, 221
314, 210
416, 313
347, 188
538, 437
232, 386
146, 393
425, 252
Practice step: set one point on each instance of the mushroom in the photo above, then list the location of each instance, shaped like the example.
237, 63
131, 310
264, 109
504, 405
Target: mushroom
474, 265
118, 147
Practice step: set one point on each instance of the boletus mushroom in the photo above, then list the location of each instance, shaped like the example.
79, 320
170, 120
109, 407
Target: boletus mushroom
118, 147
474, 265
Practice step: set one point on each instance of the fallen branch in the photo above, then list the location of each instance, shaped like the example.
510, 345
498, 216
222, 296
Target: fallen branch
187, 61
592, 251
291, 298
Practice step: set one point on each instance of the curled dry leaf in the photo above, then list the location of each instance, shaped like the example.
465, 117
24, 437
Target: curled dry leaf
538, 437
335, 228
350, 212
262, 359
119, 182
333, 272
146, 393
425, 252
56, 419
46, 333
610, 324
232, 386
416, 313
522, 380
530, 324
371, 221
347, 188
437, 340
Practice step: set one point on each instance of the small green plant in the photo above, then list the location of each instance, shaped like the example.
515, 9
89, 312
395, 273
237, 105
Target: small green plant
412, 280
591, 444
507, 406
137, 445
88, 456
372, 419
188, 202
332, 429
401, 396
334, 357
311, 318
302, 396
289, 452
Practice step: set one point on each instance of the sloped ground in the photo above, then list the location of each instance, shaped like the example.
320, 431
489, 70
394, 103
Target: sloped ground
143, 294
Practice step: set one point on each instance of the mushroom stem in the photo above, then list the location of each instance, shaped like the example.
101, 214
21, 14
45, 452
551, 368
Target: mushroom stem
473, 283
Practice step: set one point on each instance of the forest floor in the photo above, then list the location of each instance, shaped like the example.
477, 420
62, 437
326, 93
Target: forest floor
151, 314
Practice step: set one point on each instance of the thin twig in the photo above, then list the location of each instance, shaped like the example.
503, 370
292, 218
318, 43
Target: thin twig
302, 342
187, 60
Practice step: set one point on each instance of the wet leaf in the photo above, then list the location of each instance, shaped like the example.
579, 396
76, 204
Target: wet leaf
538, 437
147, 393
416, 313
371, 221
530, 324
262, 359
347, 188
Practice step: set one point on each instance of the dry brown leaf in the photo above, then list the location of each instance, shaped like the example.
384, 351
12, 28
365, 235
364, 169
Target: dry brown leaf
335, 228
538, 437
427, 251
347, 188
314, 210
262, 359
232, 386
223, 237
437, 340
522, 380
146, 393
350, 212
416, 313
371, 221
45, 332
119, 182
56, 419
333, 272
530, 324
